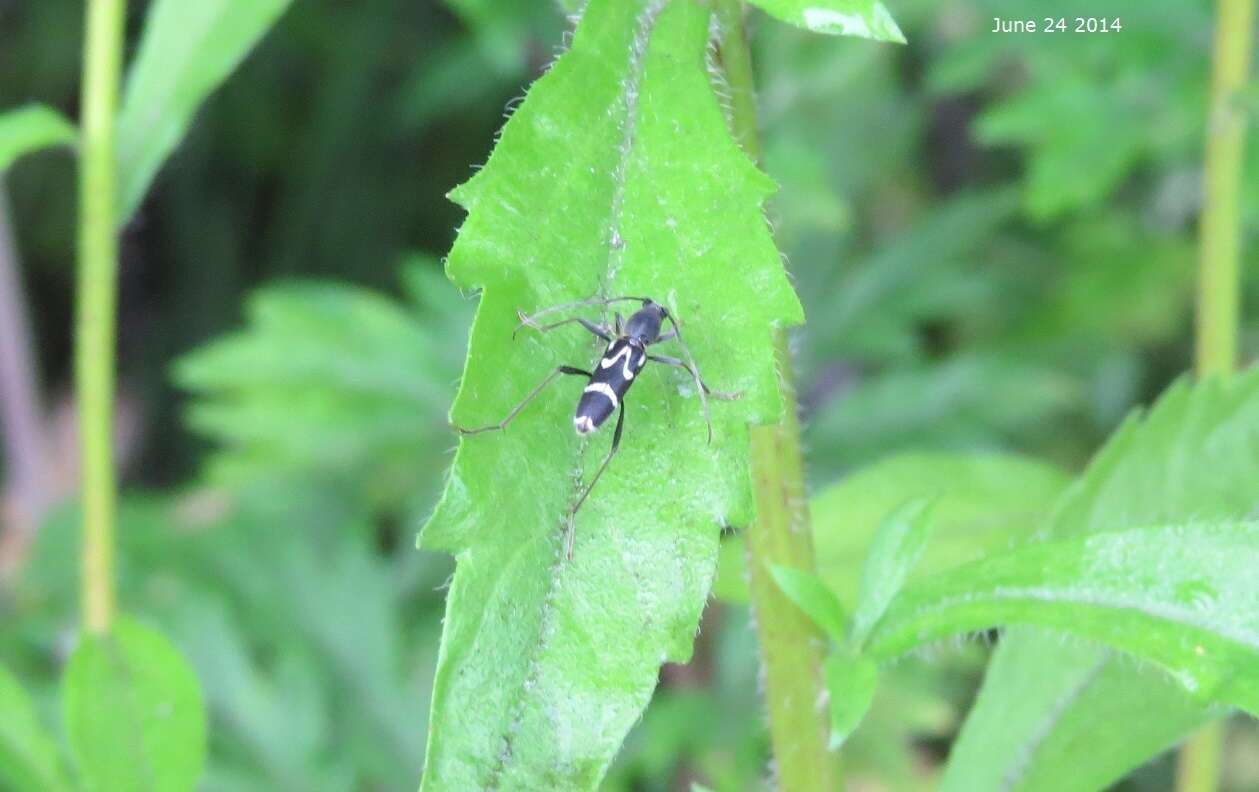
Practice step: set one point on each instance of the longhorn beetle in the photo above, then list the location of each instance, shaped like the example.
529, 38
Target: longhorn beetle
624, 358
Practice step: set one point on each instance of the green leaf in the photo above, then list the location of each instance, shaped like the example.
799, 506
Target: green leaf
616, 176
1095, 697
812, 596
898, 544
30, 128
862, 18
336, 382
28, 756
981, 503
133, 712
1190, 459
1181, 596
851, 681
187, 50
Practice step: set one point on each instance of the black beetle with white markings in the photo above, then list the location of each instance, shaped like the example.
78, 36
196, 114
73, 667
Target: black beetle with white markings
622, 360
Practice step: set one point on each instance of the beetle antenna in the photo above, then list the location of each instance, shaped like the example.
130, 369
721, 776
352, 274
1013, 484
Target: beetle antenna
531, 318
699, 383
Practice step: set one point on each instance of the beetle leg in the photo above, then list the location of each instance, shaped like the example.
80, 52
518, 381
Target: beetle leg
532, 395
572, 513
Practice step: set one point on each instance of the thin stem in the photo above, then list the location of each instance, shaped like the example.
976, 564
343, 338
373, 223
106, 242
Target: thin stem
97, 304
1219, 279
792, 647
1218, 290
1198, 768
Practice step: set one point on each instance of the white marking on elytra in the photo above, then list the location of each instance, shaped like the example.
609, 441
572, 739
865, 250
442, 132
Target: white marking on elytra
603, 389
583, 424
628, 352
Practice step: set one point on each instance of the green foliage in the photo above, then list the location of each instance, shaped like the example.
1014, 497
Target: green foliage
336, 383
813, 597
186, 52
28, 756
979, 499
1190, 460
133, 712
1093, 691
940, 321
24, 130
898, 544
536, 685
851, 680
1174, 595
314, 650
980, 502
1111, 88
862, 18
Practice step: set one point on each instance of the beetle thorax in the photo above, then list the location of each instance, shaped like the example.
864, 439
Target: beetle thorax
644, 325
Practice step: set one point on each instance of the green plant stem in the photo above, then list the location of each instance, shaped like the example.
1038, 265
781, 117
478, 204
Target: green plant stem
1218, 288
1219, 279
97, 303
1198, 768
792, 648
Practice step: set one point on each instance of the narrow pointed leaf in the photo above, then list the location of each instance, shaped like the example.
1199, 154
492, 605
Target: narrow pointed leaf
1179, 596
28, 756
897, 547
862, 18
812, 596
616, 176
27, 129
1191, 458
851, 681
186, 52
133, 710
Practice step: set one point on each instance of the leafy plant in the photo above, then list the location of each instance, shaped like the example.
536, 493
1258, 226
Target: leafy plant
336, 384
1174, 594
133, 709
988, 235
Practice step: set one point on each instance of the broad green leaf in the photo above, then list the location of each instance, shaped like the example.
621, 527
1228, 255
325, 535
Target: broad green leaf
30, 128
187, 50
1181, 596
982, 503
1190, 459
813, 597
851, 681
863, 18
133, 711
898, 544
1094, 696
616, 176
28, 756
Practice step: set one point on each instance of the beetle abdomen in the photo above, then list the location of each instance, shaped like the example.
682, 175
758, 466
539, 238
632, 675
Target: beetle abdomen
613, 376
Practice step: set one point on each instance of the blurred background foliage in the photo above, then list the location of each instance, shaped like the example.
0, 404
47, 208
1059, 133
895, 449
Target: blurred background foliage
993, 236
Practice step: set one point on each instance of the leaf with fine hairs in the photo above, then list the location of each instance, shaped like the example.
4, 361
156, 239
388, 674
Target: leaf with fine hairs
861, 18
1181, 596
1190, 459
616, 176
